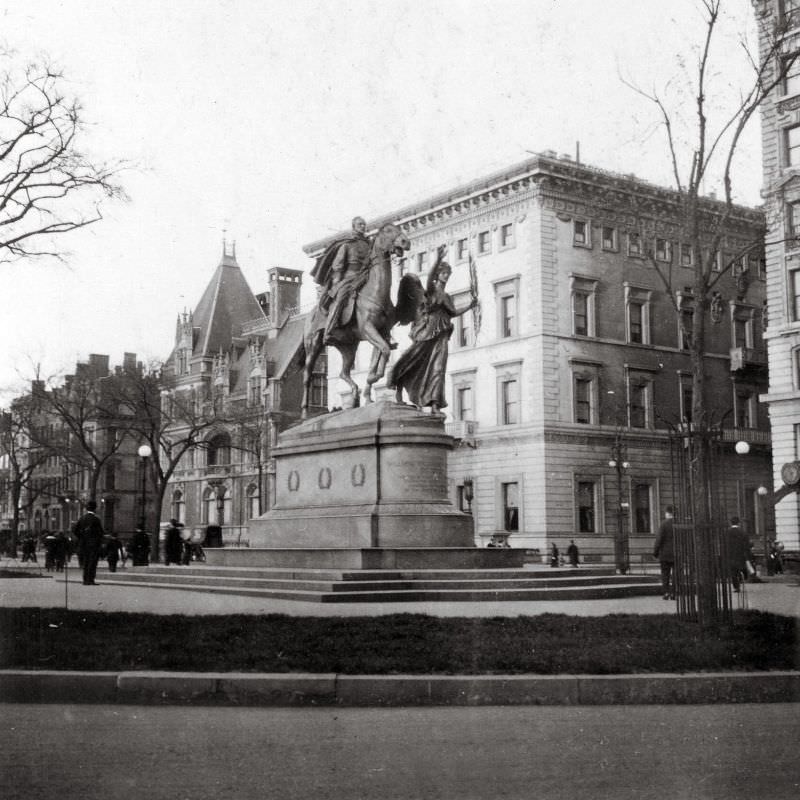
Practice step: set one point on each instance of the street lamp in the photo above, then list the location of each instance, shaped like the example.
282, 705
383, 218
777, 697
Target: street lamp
762, 493
620, 464
144, 453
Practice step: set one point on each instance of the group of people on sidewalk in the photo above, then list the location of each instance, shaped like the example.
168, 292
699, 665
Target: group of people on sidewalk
736, 554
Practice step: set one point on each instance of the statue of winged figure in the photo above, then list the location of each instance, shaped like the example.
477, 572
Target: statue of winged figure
421, 369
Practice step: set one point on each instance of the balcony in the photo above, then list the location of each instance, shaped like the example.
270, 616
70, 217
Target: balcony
749, 435
743, 357
218, 471
463, 431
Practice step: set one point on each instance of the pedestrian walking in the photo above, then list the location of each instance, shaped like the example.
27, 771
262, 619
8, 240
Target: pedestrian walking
572, 553
738, 547
114, 551
60, 551
664, 551
89, 532
553, 555
139, 548
173, 546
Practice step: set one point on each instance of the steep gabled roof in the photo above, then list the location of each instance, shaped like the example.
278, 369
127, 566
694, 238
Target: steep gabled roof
226, 303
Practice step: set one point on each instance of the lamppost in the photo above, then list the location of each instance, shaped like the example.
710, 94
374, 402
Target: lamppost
762, 493
619, 463
145, 452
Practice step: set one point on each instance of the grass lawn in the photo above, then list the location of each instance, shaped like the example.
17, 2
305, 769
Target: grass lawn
34, 638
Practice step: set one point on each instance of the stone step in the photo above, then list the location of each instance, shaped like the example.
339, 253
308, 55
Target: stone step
389, 584
348, 593
416, 595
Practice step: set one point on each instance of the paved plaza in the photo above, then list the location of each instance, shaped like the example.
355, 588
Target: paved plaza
779, 596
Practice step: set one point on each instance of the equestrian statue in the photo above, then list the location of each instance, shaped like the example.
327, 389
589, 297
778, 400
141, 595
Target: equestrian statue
355, 274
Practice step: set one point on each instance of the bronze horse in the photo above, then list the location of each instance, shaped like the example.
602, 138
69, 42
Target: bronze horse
371, 321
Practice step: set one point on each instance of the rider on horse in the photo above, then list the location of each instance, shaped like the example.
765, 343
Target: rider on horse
342, 270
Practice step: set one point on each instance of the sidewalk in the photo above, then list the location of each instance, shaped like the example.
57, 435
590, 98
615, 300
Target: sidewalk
780, 596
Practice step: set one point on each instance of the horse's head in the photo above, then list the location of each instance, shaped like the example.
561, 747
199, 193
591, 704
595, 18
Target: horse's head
391, 239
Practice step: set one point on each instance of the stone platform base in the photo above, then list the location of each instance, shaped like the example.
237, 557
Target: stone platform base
367, 558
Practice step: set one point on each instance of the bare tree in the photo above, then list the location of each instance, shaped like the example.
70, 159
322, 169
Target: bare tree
171, 421
48, 185
703, 148
24, 457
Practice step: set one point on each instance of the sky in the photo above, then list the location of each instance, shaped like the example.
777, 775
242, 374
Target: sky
272, 124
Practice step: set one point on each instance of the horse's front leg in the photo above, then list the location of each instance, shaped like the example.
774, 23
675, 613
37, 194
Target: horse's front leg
348, 353
380, 357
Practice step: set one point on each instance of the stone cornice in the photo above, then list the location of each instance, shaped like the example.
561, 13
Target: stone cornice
601, 194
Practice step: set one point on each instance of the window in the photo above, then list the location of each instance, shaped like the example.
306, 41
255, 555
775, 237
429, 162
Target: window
254, 391
745, 407
791, 74
586, 505
402, 264
506, 235
686, 255
209, 507
742, 326
510, 506
508, 316
508, 398
608, 238
642, 508
687, 399
178, 505
422, 261
581, 233
663, 250
635, 322
580, 313
792, 222
464, 336
462, 249
219, 450
635, 245
757, 264
794, 295
111, 477
792, 146
484, 242
582, 300
461, 499
790, 12
319, 390
637, 304
583, 400
506, 293
253, 504
685, 319
640, 401
464, 403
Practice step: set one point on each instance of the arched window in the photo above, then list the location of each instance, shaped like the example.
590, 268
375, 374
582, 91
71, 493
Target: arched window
219, 449
37, 521
209, 507
253, 506
178, 506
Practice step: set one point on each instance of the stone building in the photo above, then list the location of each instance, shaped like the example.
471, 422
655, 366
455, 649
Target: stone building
780, 134
56, 476
237, 356
577, 360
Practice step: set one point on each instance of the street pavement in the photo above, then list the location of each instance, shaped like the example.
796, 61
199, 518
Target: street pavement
728, 752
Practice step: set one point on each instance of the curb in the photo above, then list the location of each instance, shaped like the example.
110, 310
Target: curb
329, 689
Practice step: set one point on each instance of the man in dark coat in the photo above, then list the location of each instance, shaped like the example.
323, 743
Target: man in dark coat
664, 551
173, 545
89, 532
